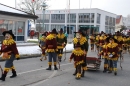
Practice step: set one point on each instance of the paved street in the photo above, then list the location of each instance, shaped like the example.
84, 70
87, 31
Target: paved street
31, 72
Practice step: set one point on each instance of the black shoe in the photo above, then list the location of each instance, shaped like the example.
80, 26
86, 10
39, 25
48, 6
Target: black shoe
3, 77
14, 74
82, 75
109, 71
75, 72
115, 73
59, 60
104, 71
55, 67
49, 68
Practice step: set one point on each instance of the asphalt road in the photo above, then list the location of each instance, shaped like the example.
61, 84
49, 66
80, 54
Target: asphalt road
32, 72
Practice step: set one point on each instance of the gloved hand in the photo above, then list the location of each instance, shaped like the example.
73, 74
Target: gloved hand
70, 60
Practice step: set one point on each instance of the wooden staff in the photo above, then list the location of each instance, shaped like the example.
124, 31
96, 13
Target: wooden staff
65, 54
120, 59
1, 69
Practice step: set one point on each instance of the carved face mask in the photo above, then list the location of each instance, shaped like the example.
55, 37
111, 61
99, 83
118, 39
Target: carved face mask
43, 36
111, 41
102, 34
78, 35
7, 36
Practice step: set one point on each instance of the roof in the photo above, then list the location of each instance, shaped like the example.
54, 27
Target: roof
118, 19
10, 11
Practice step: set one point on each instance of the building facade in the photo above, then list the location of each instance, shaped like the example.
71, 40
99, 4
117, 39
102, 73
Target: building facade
126, 21
15, 20
73, 19
119, 22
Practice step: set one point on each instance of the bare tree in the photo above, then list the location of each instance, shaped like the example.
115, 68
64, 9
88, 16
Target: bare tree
31, 6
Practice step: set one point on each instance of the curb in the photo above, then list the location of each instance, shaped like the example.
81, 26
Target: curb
27, 45
31, 56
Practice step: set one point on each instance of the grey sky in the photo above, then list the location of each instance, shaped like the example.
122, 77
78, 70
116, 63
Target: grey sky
120, 7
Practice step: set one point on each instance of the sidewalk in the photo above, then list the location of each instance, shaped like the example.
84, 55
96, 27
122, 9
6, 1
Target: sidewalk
32, 50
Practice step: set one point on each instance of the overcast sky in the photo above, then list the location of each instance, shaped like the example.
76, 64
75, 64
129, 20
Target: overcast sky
120, 7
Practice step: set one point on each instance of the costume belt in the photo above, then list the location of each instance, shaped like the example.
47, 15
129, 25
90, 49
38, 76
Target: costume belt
50, 46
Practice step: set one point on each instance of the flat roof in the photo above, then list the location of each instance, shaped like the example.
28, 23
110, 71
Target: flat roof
82, 9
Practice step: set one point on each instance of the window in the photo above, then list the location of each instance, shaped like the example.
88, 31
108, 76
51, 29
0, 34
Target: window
58, 27
98, 18
106, 29
58, 18
71, 18
20, 28
110, 21
92, 17
85, 18
47, 17
113, 22
3, 26
107, 20
46, 27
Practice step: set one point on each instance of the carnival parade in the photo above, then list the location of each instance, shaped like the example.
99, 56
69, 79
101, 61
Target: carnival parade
110, 49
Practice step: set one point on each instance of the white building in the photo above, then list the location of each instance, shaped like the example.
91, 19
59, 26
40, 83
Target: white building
74, 19
126, 21
119, 22
15, 20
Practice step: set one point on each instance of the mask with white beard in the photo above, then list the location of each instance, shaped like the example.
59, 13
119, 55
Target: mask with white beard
7, 36
78, 36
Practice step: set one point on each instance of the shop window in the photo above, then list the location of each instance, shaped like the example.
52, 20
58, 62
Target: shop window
20, 27
3, 26
20, 38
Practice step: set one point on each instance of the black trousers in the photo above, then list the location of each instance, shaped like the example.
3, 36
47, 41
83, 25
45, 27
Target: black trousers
60, 51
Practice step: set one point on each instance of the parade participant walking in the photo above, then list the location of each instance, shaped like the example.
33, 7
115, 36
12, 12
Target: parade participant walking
78, 57
124, 45
97, 42
105, 55
92, 41
119, 39
42, 45
80, 37
101, 41
51, 49
61, 43
128, 43
112, 51
9, 53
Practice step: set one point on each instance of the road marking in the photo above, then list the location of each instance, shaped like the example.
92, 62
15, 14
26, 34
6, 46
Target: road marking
41, 82
37, 70
38, 83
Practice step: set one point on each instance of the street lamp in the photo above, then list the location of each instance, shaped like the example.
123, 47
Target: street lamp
44, 8
90, 16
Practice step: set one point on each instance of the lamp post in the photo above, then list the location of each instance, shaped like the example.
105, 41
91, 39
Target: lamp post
90, 16
44, 8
